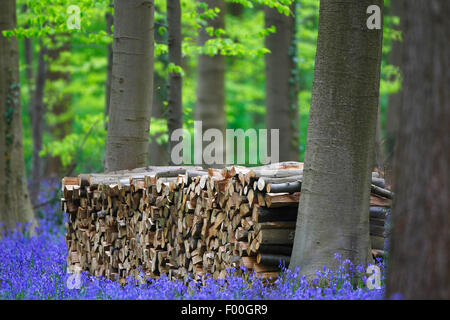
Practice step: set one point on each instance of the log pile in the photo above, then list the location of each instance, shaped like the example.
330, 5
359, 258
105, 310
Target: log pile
188, 222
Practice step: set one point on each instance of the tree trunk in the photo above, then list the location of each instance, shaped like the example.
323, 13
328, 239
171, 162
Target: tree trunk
174, 107
132, 80
158, 153
419, 260
37, 123
58, 102
210, 106
15, 201
28, 48
340, 140
109, 23
282, 82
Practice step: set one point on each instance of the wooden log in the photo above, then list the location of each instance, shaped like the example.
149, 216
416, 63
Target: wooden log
264, 181
378, 201
273, 259
379, 182
274, 225
276, 236
379, 212
264, 214
381, 192
255, 174
285, 250
274, 200
289, 187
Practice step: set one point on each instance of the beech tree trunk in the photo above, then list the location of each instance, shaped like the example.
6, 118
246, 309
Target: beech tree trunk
419, 256
282, 82
109, 23
58, 102
15, 201
210, 106
28, 48
37, 123
174, 107
333, 215
131, 88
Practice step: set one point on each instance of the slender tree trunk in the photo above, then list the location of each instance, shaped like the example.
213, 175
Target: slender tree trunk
37, 123
394, 100
158, 152
334, 203
28, 46
282, 82
58, 102
15, 201
210, 106
132, 80
174, 107
419, 260
109, 23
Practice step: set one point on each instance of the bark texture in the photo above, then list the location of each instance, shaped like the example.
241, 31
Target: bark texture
281, 82
334, 206
58, 101
174, 107
109, 23
14, 198
132, 80
210, 106
419, 260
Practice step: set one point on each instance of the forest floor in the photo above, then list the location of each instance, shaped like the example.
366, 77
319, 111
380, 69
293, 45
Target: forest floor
34, 267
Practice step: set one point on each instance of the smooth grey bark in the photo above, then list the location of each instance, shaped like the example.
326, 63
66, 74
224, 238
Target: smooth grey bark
109, 23
37, 123
15, 201
210, 105
131, 82
282, 82
419, 256
333, 215
174, 98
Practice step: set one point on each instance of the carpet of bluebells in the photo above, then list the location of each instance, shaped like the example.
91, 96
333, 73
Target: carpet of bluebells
34, 267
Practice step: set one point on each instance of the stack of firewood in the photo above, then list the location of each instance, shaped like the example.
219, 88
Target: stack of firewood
188, 222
